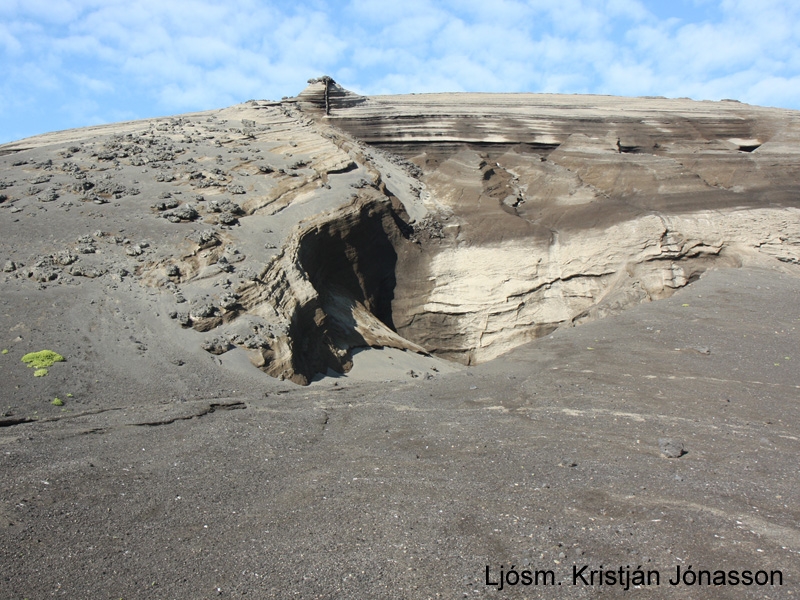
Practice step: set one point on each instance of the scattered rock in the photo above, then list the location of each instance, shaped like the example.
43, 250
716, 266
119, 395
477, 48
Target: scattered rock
217, 346
65, 258
169, 204
108, 189
225, 205
44, 270
81, 187
205, 239
227, 218
165, 177
203, 310
182, 213
671, 448
228, 301
84, 271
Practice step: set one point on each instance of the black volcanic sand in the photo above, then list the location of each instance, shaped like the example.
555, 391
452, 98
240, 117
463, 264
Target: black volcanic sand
172, 479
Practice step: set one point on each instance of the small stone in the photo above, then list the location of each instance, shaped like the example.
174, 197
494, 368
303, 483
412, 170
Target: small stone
203, 310
49, 195
168, 204
227, 218
185, 213
204, 239
65, 258
671, 448
217, 346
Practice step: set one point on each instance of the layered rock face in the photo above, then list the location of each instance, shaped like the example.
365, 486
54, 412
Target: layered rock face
460, 225
556, 209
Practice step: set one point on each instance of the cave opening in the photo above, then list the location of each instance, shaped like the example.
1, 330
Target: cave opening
353, 259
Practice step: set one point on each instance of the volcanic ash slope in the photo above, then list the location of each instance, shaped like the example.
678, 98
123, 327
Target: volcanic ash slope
458, 225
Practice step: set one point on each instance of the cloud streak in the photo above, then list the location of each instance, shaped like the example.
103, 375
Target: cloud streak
68, 63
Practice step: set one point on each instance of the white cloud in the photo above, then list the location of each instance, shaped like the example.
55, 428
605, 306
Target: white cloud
114, 57
10, 44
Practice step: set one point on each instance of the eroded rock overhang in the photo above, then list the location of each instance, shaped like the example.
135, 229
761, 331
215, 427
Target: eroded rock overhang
545, 210
460, 225
489, 220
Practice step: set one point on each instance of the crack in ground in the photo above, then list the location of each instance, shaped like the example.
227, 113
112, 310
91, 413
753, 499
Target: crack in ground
237, 405
10, 422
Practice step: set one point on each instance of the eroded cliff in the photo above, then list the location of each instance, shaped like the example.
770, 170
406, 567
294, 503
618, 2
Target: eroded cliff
460, 225
550, 210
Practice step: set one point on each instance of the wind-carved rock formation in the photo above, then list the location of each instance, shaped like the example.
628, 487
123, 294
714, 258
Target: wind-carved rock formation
460, 225
553, 210
332, 286
325, 94
538, 211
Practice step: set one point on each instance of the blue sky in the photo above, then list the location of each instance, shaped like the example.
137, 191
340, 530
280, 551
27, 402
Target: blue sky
71, 63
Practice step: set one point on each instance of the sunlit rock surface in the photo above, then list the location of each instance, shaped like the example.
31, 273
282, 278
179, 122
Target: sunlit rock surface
460, 225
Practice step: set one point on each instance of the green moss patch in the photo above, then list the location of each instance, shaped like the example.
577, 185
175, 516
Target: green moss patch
57, 402
40, 372
42, 359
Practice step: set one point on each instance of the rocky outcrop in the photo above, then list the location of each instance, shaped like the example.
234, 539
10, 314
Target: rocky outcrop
460, 225
323, 94
331, 289
551, 210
